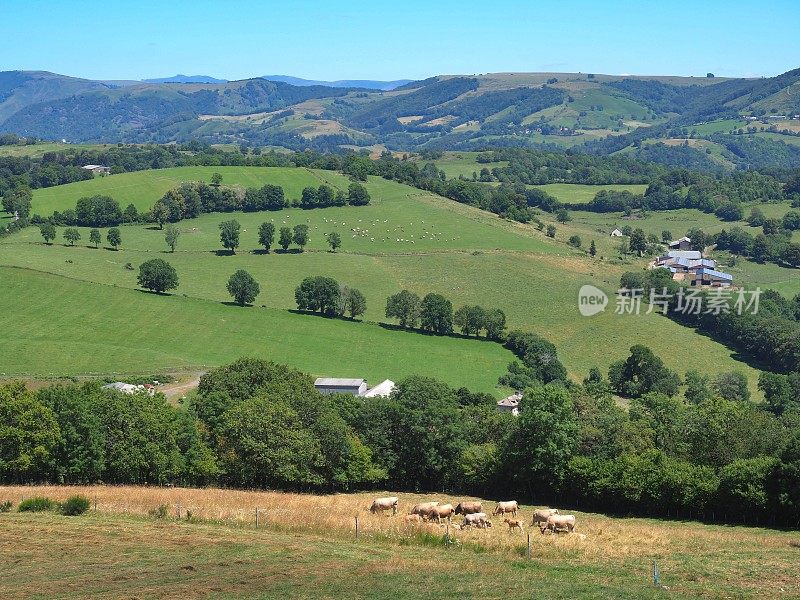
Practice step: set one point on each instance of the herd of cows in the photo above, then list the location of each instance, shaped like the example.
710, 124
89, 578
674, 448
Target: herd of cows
547, 519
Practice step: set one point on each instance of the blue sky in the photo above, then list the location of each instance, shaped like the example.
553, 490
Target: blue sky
401, 39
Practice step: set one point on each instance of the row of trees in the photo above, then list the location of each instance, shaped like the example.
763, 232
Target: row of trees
434, 313
328, 297
73, 235
259, 424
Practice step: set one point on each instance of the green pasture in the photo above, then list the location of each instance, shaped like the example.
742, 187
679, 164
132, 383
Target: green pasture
468, 255
106, 329
576, 193
143, 188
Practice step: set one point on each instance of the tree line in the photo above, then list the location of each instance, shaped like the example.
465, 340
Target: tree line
259, 424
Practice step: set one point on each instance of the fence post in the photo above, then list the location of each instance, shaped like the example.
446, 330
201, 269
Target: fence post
356, 526
256, 518
178, 509
529, 545
656, 575
95, 504
447, 535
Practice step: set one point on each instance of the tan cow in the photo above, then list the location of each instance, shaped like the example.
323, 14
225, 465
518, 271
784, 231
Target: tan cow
540, 515
382, 504
503, 508
443, 511
423, 509
556, 523
514, 524
478, 520
468, 508
412, 519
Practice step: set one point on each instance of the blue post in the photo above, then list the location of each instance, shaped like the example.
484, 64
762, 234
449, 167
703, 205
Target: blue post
656, 575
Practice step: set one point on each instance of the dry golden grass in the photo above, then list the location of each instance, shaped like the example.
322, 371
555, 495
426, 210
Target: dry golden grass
603, 537
696, 559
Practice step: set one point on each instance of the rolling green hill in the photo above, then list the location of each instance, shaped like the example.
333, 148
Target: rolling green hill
601, 113
466, 254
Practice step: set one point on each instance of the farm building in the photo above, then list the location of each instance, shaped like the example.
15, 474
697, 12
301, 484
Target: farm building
383, 389
333, 385
673, 255
616, 233
510, 404
129, 388
98, 169
356, 387
683, 243
712, 277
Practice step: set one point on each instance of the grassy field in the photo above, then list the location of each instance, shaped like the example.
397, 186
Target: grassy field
432, 245
306, 547
143, 188
577, 193
100, 328
38, 150
455, 164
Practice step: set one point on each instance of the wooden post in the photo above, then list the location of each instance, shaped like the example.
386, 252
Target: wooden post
256, 518
447, 533
356, 526
529, 545
178, 509
95, 504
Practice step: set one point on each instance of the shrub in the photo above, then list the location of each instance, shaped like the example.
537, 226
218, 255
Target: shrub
160, 512
36, 504
5, 506
75, 505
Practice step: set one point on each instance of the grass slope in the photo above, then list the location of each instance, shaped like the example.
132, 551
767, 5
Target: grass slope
466, 254
221, 554
143, 188
100, 328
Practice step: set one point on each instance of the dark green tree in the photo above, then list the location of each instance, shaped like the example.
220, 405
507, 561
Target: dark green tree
48, 231
114, 238
436, 314
94, 237
72, 235
334, 240
157, 275
229, 235
300, 235
266, 235
404, 306
243, 287
285, 238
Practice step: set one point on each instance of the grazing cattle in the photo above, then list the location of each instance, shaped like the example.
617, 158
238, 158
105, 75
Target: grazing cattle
503, 508
478, 520
556, 523
412, 519
514, 524
468, 508
382, 504
424, 509
437, 513
541, 515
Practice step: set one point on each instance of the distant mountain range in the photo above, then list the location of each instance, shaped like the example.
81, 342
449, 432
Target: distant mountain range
186, 79
706, 123
342, 83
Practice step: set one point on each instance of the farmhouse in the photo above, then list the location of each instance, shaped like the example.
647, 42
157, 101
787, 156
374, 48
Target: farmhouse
98, 169
510, 404
684, 243
616, 233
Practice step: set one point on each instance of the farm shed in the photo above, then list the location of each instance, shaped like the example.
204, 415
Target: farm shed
333, 385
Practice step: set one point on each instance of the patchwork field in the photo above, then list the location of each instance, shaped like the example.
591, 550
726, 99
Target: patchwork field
220, 553
432, 245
